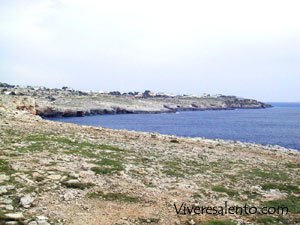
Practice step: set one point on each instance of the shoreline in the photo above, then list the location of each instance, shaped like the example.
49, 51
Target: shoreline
63, 173
224, 142
58, 114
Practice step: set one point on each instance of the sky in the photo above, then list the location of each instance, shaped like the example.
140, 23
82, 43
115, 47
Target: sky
245, 48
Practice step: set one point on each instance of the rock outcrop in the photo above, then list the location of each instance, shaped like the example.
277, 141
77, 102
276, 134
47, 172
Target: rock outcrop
67, 102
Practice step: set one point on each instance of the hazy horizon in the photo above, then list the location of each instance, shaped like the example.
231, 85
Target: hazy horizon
246, 49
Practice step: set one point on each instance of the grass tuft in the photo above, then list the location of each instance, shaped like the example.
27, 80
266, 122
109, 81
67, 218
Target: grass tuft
112, 196
222, 189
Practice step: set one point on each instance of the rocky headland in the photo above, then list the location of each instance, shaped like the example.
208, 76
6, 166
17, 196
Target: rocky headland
61, 173
65, 102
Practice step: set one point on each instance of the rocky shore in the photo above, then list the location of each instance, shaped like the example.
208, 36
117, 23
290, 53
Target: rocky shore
59, 173
66, 102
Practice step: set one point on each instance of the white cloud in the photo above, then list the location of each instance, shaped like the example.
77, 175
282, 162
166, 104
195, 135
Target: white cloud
200, 44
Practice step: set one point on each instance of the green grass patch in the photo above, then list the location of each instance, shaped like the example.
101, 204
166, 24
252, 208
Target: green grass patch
251, 195
28, 189
269, 220
222, 189
218, 222
275, 174
5, 167
107, 166
195, 167
148, 221
112, 197
39, 179
108, 147
78, 185
173, 168
282, 187
88, 154
108, 162
173, 173
106, 170
73, 143
291, 202
292, 165
42, 138
34, 147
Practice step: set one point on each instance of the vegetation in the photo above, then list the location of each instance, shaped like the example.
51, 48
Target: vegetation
77, 185
292, 202
106, 170
220, 188
218, 222
5, 168
112, 196
281, 187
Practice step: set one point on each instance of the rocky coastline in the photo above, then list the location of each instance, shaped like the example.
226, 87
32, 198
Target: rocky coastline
67, 102
62, 173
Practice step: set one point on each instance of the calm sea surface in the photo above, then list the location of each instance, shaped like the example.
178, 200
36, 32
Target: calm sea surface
279, 125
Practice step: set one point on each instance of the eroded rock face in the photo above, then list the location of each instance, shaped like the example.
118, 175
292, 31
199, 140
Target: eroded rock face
21, 103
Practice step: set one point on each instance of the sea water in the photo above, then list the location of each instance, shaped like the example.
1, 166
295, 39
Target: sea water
279, 125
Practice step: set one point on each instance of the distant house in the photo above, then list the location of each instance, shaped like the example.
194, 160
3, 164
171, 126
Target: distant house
139, 95
67, 89
115, 93
218, 96
205, 95
148, 94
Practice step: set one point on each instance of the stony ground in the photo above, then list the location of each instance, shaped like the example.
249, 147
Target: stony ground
59, 173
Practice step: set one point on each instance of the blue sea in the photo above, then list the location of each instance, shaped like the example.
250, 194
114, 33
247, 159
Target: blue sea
279, 125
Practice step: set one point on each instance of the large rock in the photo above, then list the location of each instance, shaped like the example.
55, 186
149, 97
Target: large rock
3, 190
3, 178
69, 195
15, 216
27, 200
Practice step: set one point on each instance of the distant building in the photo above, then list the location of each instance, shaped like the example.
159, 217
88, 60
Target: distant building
115, 93
218, 96
67, 89
205, 95
139, 94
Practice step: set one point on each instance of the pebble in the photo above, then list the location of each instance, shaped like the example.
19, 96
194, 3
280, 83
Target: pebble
192, 222
7, 207
3, 178
3, 190
6, 201
32, 223
69, 196
42, 217
54, 177
11, 223
72, 181
43, 223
